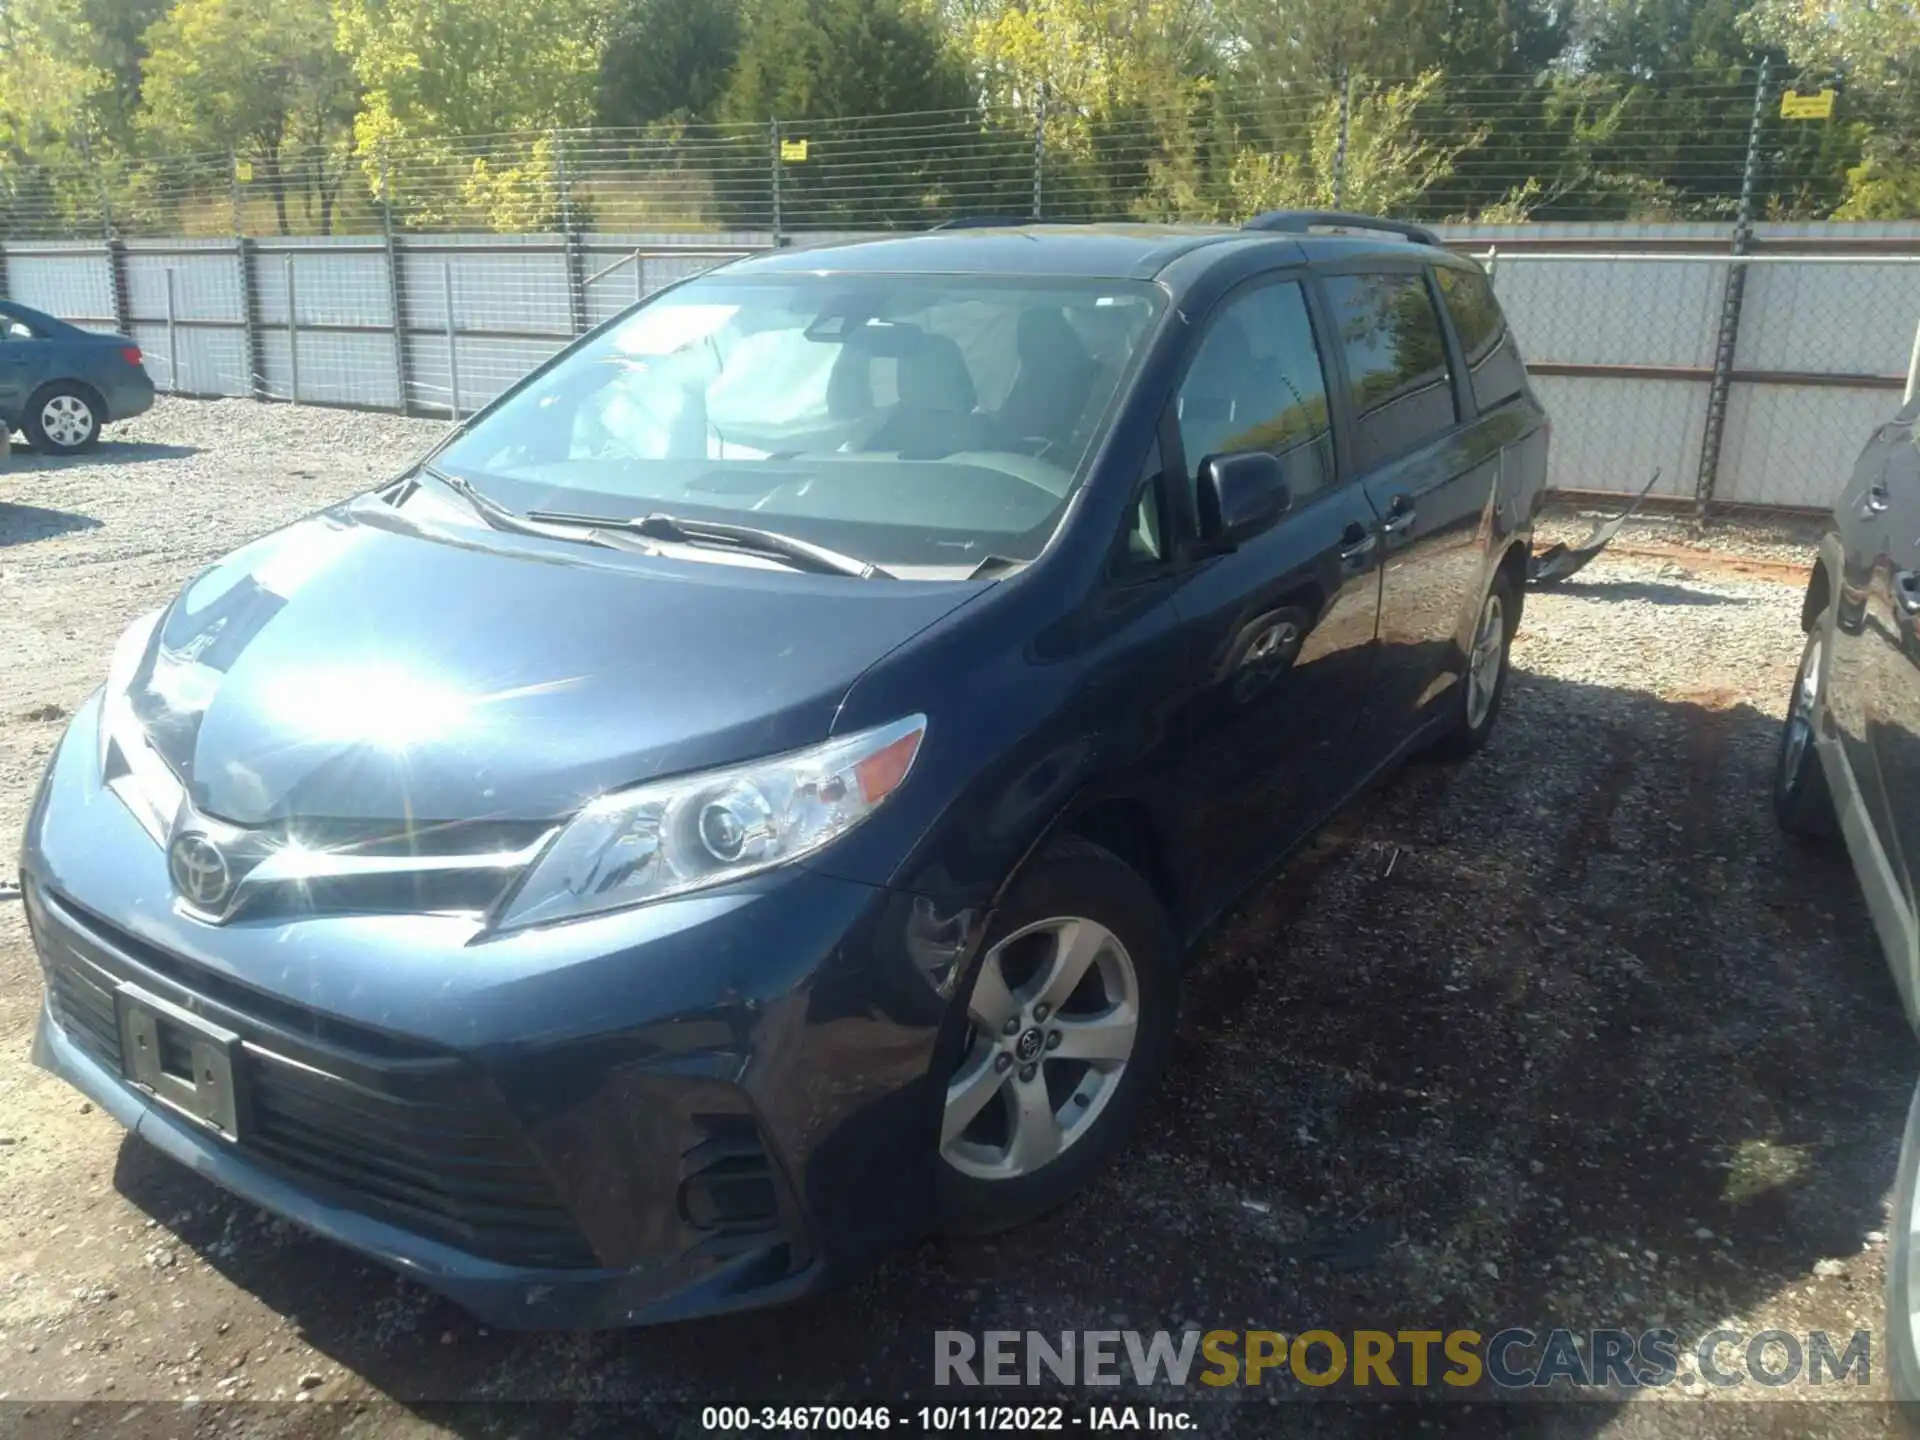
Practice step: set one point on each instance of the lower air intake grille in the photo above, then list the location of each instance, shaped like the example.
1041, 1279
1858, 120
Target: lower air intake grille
402, 1133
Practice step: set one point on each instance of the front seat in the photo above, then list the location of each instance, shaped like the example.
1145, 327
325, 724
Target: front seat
1051, 381
935, 415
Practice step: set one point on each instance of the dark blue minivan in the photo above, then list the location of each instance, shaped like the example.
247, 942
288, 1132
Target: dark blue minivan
745, 800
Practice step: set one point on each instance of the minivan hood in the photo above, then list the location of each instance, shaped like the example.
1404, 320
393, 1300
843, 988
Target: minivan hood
353, 667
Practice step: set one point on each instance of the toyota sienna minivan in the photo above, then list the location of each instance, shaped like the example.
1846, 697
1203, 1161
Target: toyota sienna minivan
746, 798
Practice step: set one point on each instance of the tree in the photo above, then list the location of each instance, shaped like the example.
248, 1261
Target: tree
442, 68
1389, 168
844, 75
114, 37
436, 71
1871, 50
828, 59
262, 76
667, 60
45, 117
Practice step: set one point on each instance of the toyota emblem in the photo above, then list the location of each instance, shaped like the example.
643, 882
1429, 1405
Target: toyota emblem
200, 872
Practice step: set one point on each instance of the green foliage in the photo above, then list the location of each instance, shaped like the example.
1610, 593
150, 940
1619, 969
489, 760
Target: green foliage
260, 76
916, 110
1389, 164
667, 60
816, 59
447, 68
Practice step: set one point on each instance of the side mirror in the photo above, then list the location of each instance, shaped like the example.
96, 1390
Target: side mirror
1240, 496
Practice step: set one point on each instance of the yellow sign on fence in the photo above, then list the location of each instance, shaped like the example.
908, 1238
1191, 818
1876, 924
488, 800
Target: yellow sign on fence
793, 149
1817, 106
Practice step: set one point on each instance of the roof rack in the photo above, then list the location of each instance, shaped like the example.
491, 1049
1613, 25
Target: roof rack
1304, 220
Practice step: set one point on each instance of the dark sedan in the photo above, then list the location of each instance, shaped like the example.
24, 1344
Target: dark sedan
747, 799
60, 384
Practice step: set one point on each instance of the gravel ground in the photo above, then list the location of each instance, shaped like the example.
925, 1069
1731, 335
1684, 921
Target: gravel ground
1564, 1036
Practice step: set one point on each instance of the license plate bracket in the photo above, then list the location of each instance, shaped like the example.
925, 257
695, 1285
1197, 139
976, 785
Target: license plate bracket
183, 1060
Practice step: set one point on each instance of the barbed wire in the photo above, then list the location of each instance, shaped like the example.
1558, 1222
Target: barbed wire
1652, 147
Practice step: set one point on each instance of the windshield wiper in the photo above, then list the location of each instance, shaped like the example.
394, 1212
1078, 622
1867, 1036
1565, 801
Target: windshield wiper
499, 517
719, 534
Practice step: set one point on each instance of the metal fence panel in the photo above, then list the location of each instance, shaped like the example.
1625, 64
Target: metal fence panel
486, 367
1795, 444
1610, 434
1622, 340
345, 285
72, 282
516, 283
1839, 319
1643, 312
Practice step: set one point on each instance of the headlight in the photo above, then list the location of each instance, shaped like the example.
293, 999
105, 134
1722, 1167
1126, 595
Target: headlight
116, 711
129, 766
672, 836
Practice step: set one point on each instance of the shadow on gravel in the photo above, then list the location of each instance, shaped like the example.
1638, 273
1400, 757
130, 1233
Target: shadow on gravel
1659, 594
1568, 1035
21, 524
107, 452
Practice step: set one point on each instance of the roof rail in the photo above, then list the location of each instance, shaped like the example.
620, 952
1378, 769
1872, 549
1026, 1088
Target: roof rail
1303, 220
983, 222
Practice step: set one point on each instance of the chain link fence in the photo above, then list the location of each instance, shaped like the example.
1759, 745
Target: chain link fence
1495, 148
1626, 329
1625, 346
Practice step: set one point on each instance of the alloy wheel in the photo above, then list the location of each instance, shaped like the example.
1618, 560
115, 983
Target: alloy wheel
1798, 738
1483, 662
1053, 1017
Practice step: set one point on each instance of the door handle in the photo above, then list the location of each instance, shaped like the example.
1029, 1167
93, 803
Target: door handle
1357, 542
1906, 591
1876, 501
1399, 520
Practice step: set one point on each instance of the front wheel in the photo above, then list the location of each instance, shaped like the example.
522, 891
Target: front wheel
63, 419
1069, 1020
1801, 801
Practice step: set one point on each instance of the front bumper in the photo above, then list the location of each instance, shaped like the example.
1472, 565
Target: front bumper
691, 1107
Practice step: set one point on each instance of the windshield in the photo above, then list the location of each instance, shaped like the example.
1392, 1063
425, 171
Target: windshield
910, 421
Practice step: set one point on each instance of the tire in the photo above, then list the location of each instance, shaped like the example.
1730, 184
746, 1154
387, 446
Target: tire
1078, 905
1801, 802
63, 419
1484, 685
1902, 1361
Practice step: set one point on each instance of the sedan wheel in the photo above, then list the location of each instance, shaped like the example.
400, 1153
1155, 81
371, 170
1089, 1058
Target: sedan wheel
62, 421
1054, 1014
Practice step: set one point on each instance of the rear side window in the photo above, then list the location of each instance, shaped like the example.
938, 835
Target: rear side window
1400, 387
1256, 384
1493, 361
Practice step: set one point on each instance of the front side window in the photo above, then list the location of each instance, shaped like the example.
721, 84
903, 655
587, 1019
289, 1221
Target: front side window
1494, 368
1399, 384
1256, 384
913, 421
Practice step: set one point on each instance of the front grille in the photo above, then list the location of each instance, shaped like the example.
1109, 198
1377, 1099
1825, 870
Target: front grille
390, 1128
